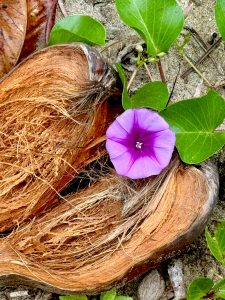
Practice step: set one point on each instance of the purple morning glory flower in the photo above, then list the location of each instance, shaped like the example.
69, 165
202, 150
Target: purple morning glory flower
140, 143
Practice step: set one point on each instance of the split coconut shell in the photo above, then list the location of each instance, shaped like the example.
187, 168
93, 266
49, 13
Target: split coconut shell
69, 223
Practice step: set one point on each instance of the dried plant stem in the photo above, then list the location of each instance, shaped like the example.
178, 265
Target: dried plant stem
132, 77
203, 46
148, 71
161, 72
202, 58
197, 70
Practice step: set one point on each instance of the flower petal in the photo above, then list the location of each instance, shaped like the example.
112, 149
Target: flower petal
143, 167
115, 149
163, 139
115, 130
163, 156
150, 120
123, 163
126, 120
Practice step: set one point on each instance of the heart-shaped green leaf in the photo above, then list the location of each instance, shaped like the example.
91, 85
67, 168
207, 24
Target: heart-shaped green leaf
78, 29
194, 121
152, 95
220, 17
199, 288
158, 22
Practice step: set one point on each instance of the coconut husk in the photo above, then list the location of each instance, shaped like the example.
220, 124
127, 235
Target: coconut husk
86, 235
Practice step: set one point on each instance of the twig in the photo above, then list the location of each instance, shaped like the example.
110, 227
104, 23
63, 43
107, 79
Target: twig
202, 58
111, 44
174, 85
196, 70
132, 77
148, 71
62, 8
161, 72
199, 40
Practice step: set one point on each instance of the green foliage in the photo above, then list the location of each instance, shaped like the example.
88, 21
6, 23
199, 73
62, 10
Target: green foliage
109, 295
194, 121
153, 95
199, 288
74, 297
125, 97
220, 17
219, 288
78, 29
216, 243
158, 22
112, 295
204, 287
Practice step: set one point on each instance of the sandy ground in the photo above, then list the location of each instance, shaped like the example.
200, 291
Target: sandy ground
196, 260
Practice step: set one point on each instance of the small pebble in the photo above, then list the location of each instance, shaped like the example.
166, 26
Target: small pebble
18, 294
175, 271
151, 287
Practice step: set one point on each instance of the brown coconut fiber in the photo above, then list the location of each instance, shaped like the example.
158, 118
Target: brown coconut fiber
68, 222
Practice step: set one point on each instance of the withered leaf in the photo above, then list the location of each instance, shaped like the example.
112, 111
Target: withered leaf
40, 20
13, 21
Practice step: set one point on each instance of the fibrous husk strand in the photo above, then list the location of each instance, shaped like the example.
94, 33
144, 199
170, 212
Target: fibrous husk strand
53, 116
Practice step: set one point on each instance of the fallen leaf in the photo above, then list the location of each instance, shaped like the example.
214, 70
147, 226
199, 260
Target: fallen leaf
13, 21
40, 20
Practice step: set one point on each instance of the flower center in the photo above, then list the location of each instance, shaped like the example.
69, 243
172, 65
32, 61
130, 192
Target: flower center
138, 145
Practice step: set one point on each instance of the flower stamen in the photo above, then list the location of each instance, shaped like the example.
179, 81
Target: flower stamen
138, 145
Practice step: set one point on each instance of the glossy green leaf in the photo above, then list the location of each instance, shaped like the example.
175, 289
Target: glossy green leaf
109, 295
220, 17
126, 102
194, 121
74, 297
158, 22
153, 95
213, 246
216, 244
220, 235
78, 29
199, 288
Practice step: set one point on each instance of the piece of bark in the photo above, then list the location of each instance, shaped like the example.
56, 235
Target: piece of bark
40, 20
170, 220
13, 21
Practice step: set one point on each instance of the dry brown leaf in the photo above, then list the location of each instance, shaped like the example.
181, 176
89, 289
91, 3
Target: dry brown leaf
40, 19
13, 20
